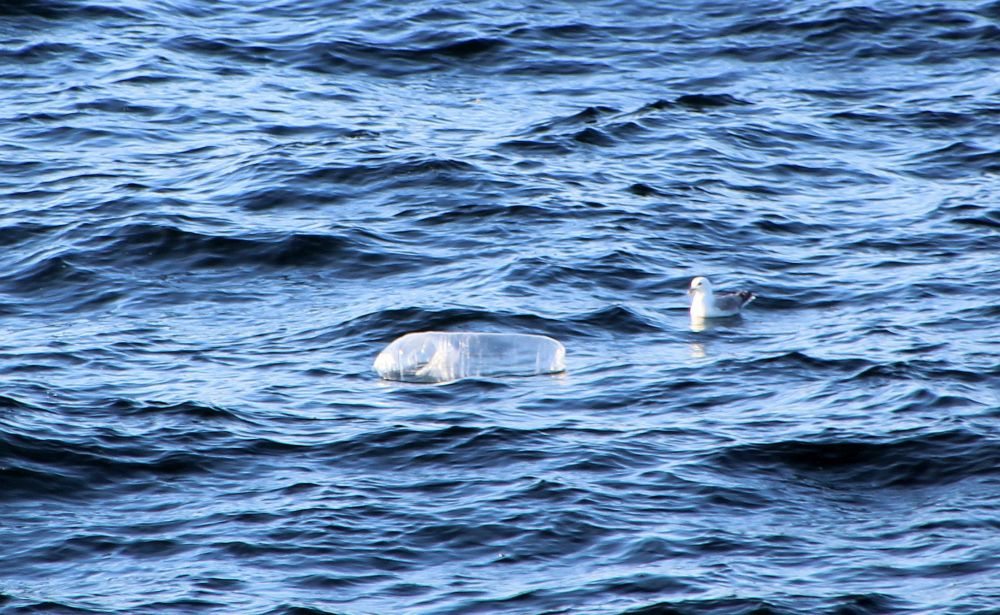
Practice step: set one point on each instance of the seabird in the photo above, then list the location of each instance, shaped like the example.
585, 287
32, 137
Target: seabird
708, 304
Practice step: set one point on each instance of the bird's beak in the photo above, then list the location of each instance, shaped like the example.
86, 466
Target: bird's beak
690, 291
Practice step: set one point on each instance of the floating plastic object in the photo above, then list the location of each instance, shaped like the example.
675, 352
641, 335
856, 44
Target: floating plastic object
437, 356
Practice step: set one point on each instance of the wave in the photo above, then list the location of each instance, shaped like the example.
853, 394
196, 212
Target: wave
605, 126
956, 160
69, 11
858, 604
921, 460
417, 52
166, 247
862, 34
55, 282
93, 267
51, 468
397, 173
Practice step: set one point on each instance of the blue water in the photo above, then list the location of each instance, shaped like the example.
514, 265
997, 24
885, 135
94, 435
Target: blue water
215, 214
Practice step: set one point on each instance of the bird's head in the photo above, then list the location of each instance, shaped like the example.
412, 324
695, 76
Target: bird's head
699, 284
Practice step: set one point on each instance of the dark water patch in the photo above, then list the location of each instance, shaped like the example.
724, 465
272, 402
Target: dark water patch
13, 404
801, 361
117, 105
694, 102
627, 130
398, 173
150, 78
944, 120
840, 24
301, 610
185, 411
37, 468
396, 60
960, 159
850, 604
477, 448
230, 48
918, 370
866, 117
989, 220
765, 54
18, 168
964, 121
640, 189
49, 9
923, 34
924, 460
673, 189
271, 198
325, 130
566, 31
617, 453
592, 136
791, 142
22, 481
44, 52
614, 320
398, 446
172, 248
446, 394
959, 524
188, 605
439, 14
559, 147
16, 234
834, 174
968, 212
56, 10
616, 270
925, 401
649, 551
588, 115
473, 213
563, 135
85, 546
685, 396
328, 582
709, 101
734, 606
544, 68
465, 49
49, 607
779, 224
642, 583
54, 274
921, 246
70, 135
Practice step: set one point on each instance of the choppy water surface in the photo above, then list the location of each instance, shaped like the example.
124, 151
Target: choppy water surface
214, 215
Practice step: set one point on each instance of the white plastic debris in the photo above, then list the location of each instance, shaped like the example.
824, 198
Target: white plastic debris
436, 356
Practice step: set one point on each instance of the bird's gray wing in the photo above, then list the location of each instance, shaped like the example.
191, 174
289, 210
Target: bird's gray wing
732, 302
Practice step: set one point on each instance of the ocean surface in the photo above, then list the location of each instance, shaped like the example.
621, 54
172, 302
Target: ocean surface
214, 215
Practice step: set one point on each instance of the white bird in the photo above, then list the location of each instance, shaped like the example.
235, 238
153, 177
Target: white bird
708, 304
